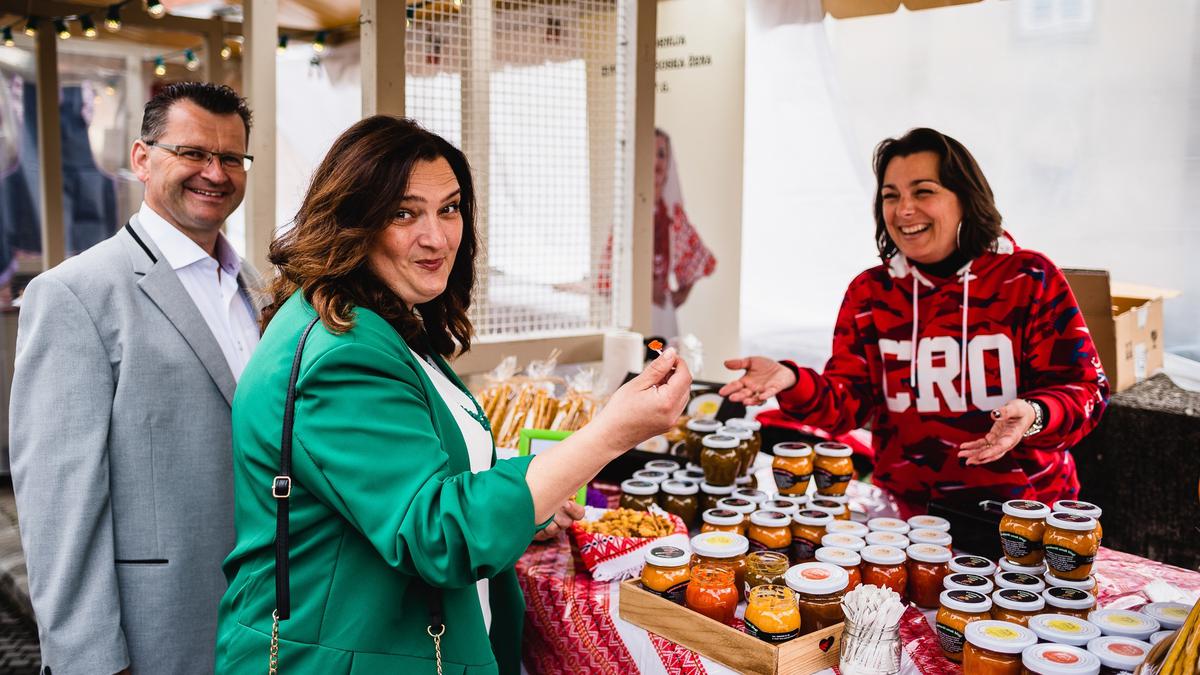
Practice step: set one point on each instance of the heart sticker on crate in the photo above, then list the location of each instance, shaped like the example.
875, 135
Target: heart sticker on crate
826, 644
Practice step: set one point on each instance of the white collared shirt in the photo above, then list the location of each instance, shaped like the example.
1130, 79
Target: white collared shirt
213, 286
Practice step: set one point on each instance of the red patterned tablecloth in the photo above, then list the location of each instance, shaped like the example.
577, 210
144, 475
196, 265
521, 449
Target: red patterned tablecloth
572, 625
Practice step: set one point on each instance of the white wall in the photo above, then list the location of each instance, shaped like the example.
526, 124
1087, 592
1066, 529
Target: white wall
1085, 116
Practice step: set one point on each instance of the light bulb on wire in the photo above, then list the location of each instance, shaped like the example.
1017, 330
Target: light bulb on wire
160, 67
190, 61
89, 27
60, 27
31, 26
112, 20
8, 38
226, 53
155, 8
283, 42
318, 44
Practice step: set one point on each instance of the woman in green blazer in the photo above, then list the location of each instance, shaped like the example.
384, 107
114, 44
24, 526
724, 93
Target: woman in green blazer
396, 495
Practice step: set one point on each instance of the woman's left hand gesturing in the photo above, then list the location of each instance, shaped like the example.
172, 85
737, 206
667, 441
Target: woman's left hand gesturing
1011, 421
566, 514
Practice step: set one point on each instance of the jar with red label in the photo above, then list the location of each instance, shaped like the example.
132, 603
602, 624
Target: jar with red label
833, 468
927, 567
770, 531
792, 467
884, 566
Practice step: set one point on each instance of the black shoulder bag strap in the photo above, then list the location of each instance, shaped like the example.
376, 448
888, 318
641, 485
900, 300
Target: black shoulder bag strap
281, 490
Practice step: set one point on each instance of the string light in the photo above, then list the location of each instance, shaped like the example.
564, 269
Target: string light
283, 42
112, 21
60, 27
190, 61
160, 67
226, 53
155, 8
31, 26
8, 38
89, 27
318, 44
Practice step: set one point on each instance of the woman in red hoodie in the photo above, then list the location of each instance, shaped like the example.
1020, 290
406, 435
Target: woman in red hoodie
966, 355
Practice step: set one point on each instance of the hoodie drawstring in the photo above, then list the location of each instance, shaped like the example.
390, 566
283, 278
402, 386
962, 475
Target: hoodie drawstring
962, 371
912, 360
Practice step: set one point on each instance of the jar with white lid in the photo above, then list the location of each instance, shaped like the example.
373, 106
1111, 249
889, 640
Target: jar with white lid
1064, 629
1059, 659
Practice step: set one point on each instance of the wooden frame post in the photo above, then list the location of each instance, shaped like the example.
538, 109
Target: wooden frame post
50, 178
642, 258
382, 32
258, 77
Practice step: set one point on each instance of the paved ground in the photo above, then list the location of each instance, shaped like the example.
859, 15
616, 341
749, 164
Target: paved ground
18, 636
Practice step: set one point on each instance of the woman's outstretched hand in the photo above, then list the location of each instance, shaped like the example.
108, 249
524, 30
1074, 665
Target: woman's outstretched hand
1010, 422
763, 379
647, 405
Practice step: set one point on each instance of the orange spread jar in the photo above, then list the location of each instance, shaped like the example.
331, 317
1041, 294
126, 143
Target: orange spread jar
808, 526
1016, 606
927, 567
836, 509
770, 531
792, 467
711, 494
772, 614
884, 566
959, 608
723, 520
1071, 543
819, 589
1078, 508
667, 572
994, 648
722, 548
764, 568
712, 592
833, 468
1021, 531
845, 559
1070, 601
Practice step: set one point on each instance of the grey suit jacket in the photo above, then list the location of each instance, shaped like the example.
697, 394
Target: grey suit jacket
121, 462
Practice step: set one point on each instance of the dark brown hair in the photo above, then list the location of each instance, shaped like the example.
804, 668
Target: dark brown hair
959, 173
354, 194
218, 99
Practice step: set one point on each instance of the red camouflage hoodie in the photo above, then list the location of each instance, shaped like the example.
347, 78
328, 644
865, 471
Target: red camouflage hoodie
1025, 338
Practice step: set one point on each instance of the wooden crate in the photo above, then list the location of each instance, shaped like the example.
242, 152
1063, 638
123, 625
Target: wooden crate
725, 644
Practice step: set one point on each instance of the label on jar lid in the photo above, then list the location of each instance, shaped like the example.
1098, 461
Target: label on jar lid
703, 426
817, 578
846, 541
1119, 653
722, 441
883, 555
723, 517
650, 476
888, 539
1000, 636
1124, 623
1018, 600
792, 449
1026, 508
738, 504
927, 536
1078, 508
743, 423
973, 563
720, 544
1071, 521
838, 556
929, 553
1068, 598
812, 517
888, 525
834, 449
965, 601
756, 496
929, 523
1063, 629
782, 505
1171, 615
737, 432
970, 582
679, 487
639, 487
1020, 580
667, 556
847, 527
1059, 659
770, 519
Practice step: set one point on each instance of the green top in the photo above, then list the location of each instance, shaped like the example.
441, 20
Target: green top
382, 494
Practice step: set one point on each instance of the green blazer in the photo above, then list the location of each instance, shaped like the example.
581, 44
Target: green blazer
382, 495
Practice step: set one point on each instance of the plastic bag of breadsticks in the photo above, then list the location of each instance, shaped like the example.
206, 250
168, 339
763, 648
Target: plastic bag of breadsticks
533, 406
499, 387
580, 404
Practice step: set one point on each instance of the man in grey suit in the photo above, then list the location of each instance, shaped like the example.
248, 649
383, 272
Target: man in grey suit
127, 358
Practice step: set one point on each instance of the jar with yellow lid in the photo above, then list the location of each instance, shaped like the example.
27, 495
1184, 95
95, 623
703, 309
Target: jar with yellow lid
1070, 543
722, 548
1021, 530
772, 614
808, 527
833, 468
957, 609
792, 467
994, 647
770, 531
666, 572
723, 520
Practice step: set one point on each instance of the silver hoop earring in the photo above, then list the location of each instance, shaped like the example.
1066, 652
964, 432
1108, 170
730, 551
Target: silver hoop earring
958, 236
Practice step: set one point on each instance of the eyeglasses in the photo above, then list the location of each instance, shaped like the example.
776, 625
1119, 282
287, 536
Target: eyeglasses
230, 161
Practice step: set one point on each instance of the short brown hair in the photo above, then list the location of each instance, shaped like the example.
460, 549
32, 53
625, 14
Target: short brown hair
218, 99
959, 173
354, 194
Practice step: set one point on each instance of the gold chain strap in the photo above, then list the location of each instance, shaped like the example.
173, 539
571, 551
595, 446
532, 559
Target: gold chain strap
273, 668
437, 644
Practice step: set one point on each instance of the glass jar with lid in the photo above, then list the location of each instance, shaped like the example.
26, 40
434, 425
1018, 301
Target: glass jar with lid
712, 592
638, 495
667, 466
1070, 544
755, 429
926, 522
1069, 601
833, 468
1015, 605
888, 539
720, 459
972, 564
1119, 654
808, 527
927, 536
1078, 508
785, 506
928, 565
765, 567
711, 494
1059, 659
742, 506
744, 448
694, 435
1064, 629
819, 589
649, 476
835, 509
750, 494
845, 559
722, 548
957, 609
884, 566
770, 531
792, 467
1125, 623
848, 527
968, 582
839, 540
667, 572
772, 614
682, 499
1025, 582
894, 525
1021, 530
994, 647
723, 520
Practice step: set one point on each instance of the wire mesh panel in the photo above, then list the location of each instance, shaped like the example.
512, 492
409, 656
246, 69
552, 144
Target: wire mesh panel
536, 95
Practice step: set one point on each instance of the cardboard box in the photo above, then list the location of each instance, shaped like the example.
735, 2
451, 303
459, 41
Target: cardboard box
727, 645
1126, 322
